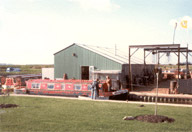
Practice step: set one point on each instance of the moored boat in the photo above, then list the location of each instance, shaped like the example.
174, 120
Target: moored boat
70, 88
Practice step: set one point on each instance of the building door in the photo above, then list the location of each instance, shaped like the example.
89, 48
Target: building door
85, 72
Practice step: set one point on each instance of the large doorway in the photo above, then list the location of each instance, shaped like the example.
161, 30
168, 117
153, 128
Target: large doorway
85, 72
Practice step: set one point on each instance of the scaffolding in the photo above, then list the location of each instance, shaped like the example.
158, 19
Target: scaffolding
158, 49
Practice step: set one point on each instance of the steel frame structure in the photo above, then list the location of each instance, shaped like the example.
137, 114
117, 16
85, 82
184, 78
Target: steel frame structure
158, 49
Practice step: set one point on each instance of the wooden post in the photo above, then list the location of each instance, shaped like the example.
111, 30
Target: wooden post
144, 62
156, 92
144, 58
158, 60
130, 76
178, 67
187, 65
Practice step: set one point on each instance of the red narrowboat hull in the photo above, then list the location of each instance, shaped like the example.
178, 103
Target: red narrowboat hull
67, 88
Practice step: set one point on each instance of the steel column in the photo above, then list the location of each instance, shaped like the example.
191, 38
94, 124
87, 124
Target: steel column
187, 64
130, 74
178, 67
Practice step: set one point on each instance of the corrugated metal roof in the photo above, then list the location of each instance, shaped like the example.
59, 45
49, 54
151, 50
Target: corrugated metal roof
110, 53
106, 52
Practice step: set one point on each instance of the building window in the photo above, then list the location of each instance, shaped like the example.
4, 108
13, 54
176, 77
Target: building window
50, 86
35, 85
62, 86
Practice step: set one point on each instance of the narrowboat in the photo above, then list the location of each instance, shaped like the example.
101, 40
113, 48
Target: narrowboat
71, 88
11, 82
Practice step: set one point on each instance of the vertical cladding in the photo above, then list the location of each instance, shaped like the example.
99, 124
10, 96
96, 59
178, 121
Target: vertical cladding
67, 62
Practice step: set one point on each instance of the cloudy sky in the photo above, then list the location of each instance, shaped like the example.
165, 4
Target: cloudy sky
31, 31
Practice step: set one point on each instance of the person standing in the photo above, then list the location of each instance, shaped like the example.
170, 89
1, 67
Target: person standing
95, 89
109, 83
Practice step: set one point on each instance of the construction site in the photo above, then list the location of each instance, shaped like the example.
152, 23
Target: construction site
144, 81
170, 85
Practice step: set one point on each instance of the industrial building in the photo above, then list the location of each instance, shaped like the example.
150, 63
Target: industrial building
86, 62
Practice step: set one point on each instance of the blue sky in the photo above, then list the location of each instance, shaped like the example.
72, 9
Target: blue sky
31, 31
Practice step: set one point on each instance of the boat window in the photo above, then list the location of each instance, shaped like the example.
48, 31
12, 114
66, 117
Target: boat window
50, 86
35, 85
62, 86
89, 87
77, 86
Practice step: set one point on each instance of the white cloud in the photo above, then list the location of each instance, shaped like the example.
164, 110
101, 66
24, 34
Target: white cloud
30, 0
3, 13
100, 5
179, 20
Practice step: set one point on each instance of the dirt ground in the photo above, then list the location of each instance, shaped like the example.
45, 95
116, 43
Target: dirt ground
8, 105
164, 86
152, 118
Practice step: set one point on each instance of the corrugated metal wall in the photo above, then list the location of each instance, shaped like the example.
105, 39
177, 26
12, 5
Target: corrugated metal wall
66, 62
185, 86
136, 69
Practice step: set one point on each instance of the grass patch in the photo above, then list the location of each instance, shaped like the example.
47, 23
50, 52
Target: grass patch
25, 69
42, 114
